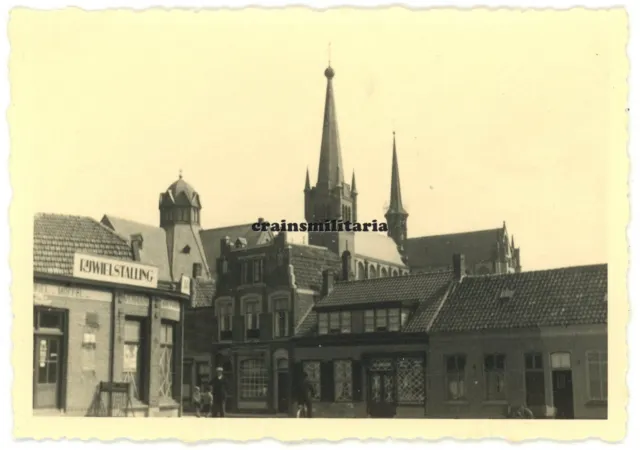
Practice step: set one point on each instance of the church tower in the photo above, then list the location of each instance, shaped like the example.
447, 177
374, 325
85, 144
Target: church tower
396, 215
331, 198
180, 218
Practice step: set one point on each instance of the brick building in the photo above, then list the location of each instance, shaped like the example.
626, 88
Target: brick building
106, 327
536, 338
263, 292
446, 345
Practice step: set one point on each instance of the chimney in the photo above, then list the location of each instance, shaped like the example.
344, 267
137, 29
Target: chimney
260, 219
346, 265
327, 282
136, 245
459, 269
225, 243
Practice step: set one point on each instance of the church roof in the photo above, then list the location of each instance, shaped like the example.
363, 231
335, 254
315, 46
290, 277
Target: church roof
154, 245
377, 246
211, 239
180, 191
435, 252
330, 169
57, 237
542, 298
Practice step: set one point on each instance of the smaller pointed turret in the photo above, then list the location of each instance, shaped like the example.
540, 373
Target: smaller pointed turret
307, 183
396, 215
354, 190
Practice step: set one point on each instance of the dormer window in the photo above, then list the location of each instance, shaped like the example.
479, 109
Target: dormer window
335, 322
506, 294
384, 319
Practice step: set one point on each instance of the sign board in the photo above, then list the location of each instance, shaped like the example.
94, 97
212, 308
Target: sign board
98, 268
43, 294
43, 353
130, 363
185, 285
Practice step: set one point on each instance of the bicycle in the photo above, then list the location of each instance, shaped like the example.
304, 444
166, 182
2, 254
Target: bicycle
302, 411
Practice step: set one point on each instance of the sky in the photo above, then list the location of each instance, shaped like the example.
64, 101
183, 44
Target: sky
499, 116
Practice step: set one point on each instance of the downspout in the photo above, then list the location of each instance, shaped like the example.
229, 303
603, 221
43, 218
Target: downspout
114, 311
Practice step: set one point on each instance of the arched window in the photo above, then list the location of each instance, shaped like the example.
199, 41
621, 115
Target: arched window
383, 272
253, 379
395, 272
362, 273
373, 273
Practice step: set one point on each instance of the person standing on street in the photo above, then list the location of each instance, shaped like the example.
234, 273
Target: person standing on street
219, 390
305, 393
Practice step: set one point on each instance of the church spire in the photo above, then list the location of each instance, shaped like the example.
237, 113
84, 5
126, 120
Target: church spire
330, 170
354, 190
307, 183
396, 215
395, 202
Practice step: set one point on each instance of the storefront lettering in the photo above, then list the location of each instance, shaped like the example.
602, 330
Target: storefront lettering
115, 271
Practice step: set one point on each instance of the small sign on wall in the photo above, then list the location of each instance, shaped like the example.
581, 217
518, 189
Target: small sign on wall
43, 353
89, 352
98, 268
185, 285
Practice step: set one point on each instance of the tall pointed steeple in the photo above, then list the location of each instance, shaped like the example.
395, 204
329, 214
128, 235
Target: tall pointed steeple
330, 170
395, 201
354, 190
307, 183
396, 215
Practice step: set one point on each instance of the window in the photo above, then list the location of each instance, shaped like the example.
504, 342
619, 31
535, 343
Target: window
48, 319
381, 319
244, 272
252, 316
561, 360
597, 375
494, 377
369, 321
166, 360
394, 319
281, 317
455, 378
225, 320
404, 316
345, 322
253, 379
343, 383
257, 270
132, 368
534, 379
312, 369
411, 377
323, 323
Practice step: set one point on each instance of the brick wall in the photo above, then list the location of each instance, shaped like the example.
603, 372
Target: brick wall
513, 345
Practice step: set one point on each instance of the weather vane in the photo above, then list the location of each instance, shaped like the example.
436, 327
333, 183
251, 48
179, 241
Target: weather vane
329, 53
180, 173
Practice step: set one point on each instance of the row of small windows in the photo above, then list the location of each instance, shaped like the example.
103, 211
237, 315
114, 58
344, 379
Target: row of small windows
367, 272
375, 320
495, 375
251, 311
181, 215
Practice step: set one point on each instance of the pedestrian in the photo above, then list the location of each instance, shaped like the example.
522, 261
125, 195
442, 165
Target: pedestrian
197, 400
207, 400
219, 390
305, 393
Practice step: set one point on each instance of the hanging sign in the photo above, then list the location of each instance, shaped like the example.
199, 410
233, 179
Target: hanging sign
185, 285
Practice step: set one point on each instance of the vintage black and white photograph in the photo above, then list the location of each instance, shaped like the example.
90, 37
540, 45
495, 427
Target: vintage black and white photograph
295, 214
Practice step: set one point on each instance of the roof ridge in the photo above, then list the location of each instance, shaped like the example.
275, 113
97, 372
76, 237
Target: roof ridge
553, 269
410, 275
228, 226
484, 230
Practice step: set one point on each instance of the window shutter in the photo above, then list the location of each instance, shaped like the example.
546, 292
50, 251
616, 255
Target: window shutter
356, 367
214, 329
326, 381
238, 328
266, 326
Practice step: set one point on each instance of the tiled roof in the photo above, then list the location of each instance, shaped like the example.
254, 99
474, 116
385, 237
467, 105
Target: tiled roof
204, 293
154, 246
56, 239
436, 251
378, 246
556, 297
309, 262
416, 287
211, 239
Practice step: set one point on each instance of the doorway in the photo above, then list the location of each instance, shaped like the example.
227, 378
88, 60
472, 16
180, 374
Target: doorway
47, 371
283, 392
563, 394
381, 390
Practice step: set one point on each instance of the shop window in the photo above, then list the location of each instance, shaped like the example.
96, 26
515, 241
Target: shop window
253, 379
312, 369
252, 319
494, 377
343, 380
225, 320
455, 376
133, 361
281, 317
167, 331
597, 375
411, 377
